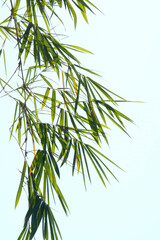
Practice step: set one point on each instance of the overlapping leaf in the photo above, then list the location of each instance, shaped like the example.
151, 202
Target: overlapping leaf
61, 109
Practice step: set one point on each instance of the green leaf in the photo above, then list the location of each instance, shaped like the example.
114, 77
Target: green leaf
28, 47
4, 59
72, 13
16, 6
34, 12
61, 120
91, 156
53, 105
43, 13
66, 153
59, 3
25, 39
104, 156
45, 79
81, 164
19, 126
78, 48
53, 225
21, 184
45, 97
85, 158
82, 5
37, 215
54, 163
29, 12
79, 87
88, 70
45, 225
22, 234
35, 107
15, 113
75, 156
42, 96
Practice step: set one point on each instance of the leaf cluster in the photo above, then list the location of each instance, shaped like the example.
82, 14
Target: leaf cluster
61, 109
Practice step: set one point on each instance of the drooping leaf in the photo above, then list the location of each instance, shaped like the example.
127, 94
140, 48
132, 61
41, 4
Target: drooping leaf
81, 49
16, 6
4, 59
45, 97
25, 39
45, 79
53, 105
21, 183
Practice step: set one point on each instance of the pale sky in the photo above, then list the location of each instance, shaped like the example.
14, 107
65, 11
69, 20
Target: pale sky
126, 46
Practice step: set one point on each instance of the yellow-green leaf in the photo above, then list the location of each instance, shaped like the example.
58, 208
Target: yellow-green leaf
53, 105
21, 184
16, 6
45, 97
79, 48
4, 59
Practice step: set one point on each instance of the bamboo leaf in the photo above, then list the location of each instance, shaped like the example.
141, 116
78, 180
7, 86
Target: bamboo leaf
75, 156
82, 5
54, 164
77, 102
66, 154
15, 113
53, 105
19, 130
81, 49
73, 80
35, 108
59, 3
22, 234
45, 79
96, 168
25, 39
28, 47
72, 13
37, 216
79, 87
16, 6
21, 184
44, 15
45, 97
81, 164
42, 96
4, 59
45, 225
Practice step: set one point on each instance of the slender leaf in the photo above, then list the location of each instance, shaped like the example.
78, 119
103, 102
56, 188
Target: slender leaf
21, 184
53, 105
45, 97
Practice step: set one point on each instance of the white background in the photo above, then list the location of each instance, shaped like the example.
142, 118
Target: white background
126, 44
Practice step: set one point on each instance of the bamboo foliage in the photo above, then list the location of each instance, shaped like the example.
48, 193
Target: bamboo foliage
60, 107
